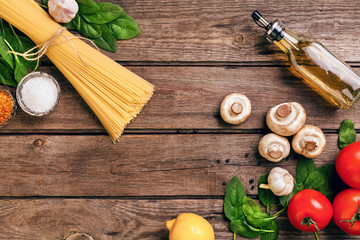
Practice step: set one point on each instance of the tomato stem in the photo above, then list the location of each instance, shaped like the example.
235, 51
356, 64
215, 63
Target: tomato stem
316, 235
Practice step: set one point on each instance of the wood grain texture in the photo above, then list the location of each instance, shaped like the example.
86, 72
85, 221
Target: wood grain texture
216, 30
45, 219
189, 98
139, 165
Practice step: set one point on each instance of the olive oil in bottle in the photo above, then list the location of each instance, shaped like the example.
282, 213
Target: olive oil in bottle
330, 77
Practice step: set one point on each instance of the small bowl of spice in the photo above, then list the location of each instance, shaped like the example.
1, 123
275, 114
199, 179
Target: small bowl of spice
38, 94
7, 106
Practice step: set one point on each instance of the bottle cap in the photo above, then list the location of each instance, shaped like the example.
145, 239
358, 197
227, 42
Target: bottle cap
274, 31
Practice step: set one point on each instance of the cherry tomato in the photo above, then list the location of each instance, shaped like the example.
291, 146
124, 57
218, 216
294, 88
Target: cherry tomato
346, 208
348, 165
309, 208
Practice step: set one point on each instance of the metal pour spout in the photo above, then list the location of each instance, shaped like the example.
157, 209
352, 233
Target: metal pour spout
274, 30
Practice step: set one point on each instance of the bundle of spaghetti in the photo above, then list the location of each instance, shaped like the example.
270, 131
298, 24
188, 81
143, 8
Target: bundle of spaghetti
115, 94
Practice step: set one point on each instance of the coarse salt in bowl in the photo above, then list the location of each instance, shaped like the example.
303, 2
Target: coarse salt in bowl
38, 94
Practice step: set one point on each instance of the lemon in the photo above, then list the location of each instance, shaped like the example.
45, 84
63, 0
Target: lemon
189, 226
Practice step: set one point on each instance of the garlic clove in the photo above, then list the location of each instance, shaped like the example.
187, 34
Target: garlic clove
274, 147
310, 141
286, 119
63, 11
280, 182
235, 108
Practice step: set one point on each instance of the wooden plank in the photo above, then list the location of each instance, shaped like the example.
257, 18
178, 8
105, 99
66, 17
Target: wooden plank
189, 98
216, 30
140, 165
120, 219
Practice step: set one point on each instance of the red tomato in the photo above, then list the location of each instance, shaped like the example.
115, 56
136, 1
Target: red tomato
348, 164
346, 206
307, 208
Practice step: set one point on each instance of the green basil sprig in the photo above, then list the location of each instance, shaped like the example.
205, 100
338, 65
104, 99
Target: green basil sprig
12, 67
103, 23
347, 133
246, 217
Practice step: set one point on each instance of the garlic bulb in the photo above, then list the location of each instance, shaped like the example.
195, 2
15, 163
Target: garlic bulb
280, 182
274, 147
63, 11
286, 119
310, 141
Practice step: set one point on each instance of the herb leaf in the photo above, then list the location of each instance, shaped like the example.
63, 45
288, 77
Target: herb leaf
259, 219
74, 24
89, 30
234, 195
106, 41
270, 236
250, 207
266, 196
304, 167
5, 77
314, 181
329, 173
87, 7
108, 12
124, 27
347, 133
245, 230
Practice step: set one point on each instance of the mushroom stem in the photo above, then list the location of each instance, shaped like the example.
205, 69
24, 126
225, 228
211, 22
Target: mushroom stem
284, 110
264, 186
310, 145
275, 153
236, 108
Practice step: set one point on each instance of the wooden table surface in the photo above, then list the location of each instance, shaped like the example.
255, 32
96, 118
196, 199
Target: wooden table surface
61, 173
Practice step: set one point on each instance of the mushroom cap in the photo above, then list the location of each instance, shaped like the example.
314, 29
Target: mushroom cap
310, 141
274, 147
235, 108
286, 119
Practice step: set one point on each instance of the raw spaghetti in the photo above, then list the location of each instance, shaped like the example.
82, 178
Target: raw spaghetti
115, 94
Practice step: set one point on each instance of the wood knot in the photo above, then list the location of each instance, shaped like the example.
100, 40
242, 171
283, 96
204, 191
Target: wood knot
79, 236
38, 143
239, 38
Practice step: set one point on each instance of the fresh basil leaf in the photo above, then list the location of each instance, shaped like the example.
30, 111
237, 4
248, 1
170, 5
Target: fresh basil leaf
234, 195
8, 57
284, 200
245, 230
108, 12
87, 6
20, 70
5, 77
329, 173
347, 133
106, 41
266, 196
273, 225
6, 65
315, 180
89, 30
124, 27
74, 24
24, 44
304, 167
250, 207
259, 219
45, 2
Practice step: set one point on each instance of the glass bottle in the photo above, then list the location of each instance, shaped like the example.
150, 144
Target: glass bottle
330, 77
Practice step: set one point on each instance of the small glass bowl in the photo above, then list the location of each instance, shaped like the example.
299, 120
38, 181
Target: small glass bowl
19, 93
13, 111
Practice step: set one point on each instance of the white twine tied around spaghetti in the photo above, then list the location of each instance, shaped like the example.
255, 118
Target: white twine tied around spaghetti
29, 55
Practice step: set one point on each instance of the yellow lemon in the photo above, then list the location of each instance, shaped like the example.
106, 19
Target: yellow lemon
189, 226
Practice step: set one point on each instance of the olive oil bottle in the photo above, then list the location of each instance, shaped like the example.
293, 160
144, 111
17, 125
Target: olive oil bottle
330, 77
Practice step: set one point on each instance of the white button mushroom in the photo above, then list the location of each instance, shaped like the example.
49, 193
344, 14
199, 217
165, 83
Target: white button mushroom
280, 182
274, 147
286, 119
310, 141
235, 108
